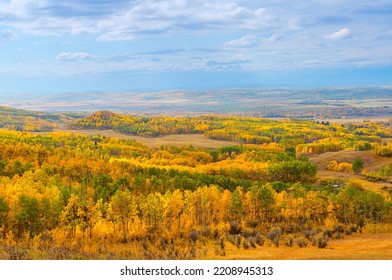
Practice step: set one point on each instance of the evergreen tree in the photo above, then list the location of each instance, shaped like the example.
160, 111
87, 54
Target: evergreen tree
358, 165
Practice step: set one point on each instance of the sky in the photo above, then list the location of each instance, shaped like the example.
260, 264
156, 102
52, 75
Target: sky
72, 45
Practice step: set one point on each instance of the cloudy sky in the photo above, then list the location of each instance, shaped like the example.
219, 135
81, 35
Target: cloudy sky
73, 45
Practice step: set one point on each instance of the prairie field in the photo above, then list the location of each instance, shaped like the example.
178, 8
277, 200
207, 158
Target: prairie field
372, 162
195, 140
354, 247
370, 159
345, 120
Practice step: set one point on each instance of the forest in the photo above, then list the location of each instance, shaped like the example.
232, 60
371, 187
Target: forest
72, 196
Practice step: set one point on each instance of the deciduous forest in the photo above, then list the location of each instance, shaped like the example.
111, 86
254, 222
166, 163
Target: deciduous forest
72, 196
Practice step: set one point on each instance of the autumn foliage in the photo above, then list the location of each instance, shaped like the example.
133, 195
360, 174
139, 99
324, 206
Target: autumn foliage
66, 196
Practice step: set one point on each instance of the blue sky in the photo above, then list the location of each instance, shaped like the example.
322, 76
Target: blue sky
72, 45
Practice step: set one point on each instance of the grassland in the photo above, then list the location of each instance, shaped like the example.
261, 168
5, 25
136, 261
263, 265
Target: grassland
371, 160
196, 140
329, 102
367, 102
360, 119
378, 247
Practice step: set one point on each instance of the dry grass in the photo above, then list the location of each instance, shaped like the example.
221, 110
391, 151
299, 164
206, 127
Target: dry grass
374, 186
370, 159
196, 140
354, 247
384, 118
372, 162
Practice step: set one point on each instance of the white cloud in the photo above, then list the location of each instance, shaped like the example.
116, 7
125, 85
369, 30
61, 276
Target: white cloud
189, 34
7, 35
123, 20
246, 41
239, 58
77, 30
68, 56
232, 62
340, 34
273, 38
294, 24
115, 36
175, 16
310, 62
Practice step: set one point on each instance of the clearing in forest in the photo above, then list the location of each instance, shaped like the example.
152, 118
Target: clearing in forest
196, 140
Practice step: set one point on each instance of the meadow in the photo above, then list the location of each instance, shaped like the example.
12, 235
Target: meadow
378, 247
195, 140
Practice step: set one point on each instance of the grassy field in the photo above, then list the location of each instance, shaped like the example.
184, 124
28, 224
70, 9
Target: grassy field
384, 118
371, 160
196, 140
369, 102
354, 247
